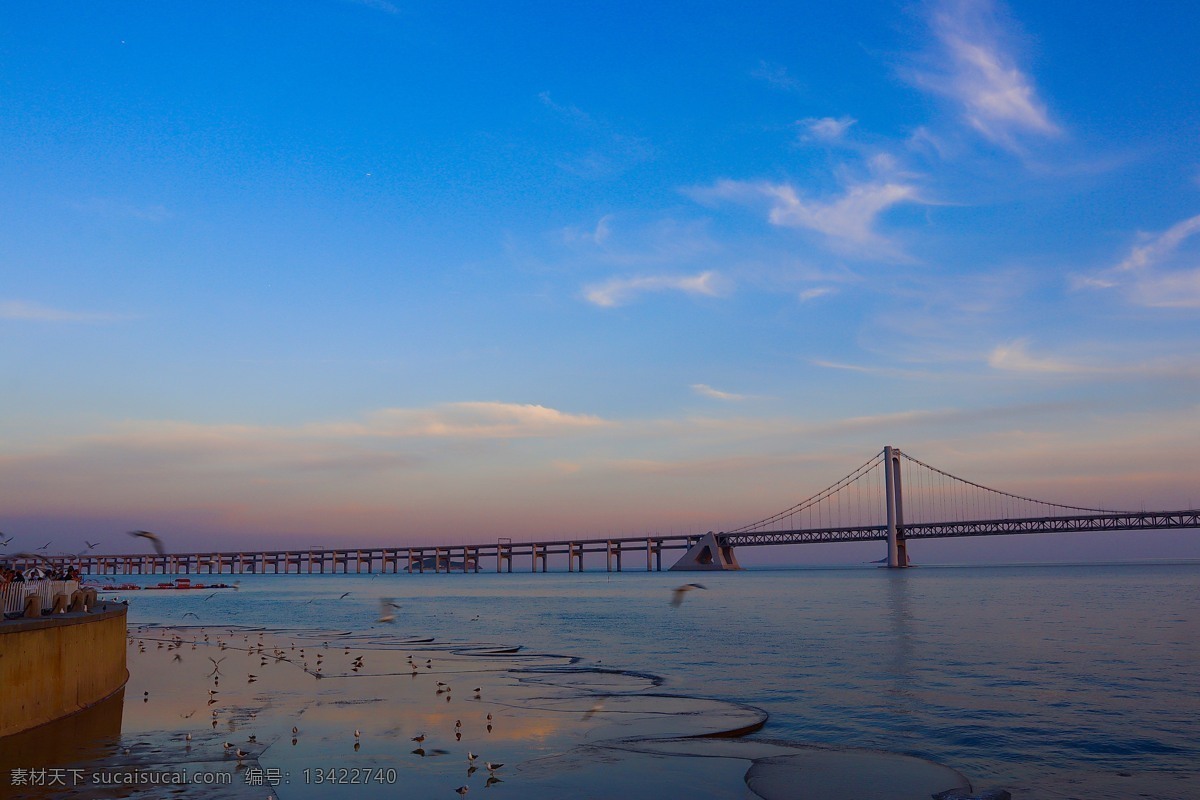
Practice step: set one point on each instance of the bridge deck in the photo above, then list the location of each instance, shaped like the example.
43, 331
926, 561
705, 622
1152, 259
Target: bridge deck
467, 557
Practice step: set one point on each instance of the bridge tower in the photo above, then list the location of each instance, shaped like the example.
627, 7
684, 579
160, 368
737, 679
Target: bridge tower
897, 546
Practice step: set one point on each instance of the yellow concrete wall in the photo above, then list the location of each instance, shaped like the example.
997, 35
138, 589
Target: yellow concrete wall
54, 666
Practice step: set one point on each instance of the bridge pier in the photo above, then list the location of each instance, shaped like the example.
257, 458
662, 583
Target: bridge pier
707, 553
897, 545
613, 549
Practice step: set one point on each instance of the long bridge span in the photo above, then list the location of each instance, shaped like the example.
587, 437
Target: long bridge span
893, 498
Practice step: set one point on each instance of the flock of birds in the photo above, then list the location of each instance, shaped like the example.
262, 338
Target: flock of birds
387, 615
43, 553
301, 655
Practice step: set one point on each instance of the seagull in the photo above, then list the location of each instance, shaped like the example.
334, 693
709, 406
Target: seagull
154, 540
419, 739
191, 614
462, 790
471, 757
386, 610
37, 556
680, 591
90, 545
4, 542
491, 767
47, 544
344, 596
596, 707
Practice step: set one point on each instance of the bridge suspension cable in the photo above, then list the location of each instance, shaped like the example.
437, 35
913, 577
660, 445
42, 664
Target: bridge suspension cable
928, 495
824, 510
939, 495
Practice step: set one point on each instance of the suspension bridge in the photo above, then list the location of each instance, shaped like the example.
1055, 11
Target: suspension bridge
893, 497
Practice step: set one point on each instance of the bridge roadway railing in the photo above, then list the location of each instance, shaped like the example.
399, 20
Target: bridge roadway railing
1124, 521
466, 558
1140, 521
439, 558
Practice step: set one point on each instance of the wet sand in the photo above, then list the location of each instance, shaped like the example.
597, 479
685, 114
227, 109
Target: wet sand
265, 713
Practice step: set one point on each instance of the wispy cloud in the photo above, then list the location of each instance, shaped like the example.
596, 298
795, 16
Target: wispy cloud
1143, 275
35, 312
777, 76
849, 218
705, 390
620, 291
569, 113
998, 99
815, 292
596, 235
1014, 356
476, 420
890, 372
826, 129
604, 152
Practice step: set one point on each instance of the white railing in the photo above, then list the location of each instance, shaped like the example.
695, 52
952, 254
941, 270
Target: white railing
14, 593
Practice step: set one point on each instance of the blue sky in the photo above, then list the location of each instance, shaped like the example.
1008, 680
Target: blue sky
384, 272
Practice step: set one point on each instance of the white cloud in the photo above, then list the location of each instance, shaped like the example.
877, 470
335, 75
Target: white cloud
1142, 274
708, 391
1159, 247
476, 420
1015, 357
34, 312
619, 291
596, 235
814, 293
826, 128
998, 99
848, 218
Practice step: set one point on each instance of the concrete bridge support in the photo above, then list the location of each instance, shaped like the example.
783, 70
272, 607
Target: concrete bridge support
613, 551
897, 546
707, 554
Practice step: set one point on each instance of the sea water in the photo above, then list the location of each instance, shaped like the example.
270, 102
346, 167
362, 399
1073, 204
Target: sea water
1050, 681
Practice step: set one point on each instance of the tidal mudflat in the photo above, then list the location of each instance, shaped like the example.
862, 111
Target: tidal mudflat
219, 712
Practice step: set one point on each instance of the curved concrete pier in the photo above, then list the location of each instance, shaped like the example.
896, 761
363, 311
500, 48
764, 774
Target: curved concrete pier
54, 666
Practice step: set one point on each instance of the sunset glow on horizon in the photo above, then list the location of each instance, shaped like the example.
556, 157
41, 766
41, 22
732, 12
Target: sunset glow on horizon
365, 273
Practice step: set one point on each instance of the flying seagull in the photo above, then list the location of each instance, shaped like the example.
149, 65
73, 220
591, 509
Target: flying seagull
680, 591
38, 556
4, 542
387, 611
154, 540
91, 545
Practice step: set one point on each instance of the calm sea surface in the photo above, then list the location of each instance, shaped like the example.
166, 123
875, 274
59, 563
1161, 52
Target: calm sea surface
1051, 681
